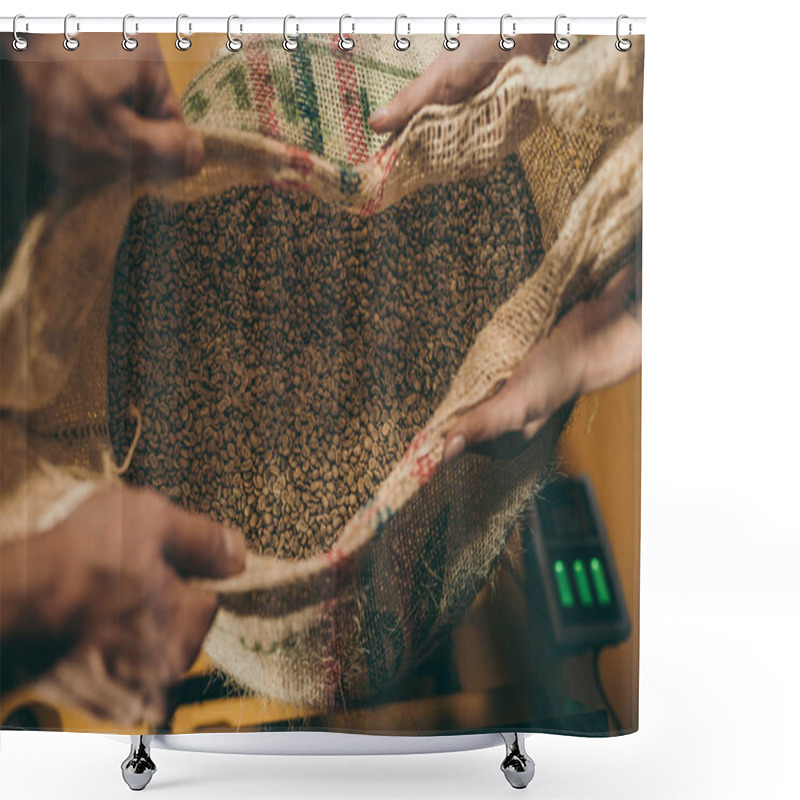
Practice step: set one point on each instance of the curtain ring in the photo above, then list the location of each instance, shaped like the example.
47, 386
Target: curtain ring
345, 42
70, 42
451, 42
234, 43
20, 43
506, 42
289, 42
128, 42
182, 43
561, 44
623, 45
401, 43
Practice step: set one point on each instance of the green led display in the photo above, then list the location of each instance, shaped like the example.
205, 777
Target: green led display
600, 583
562, 584
582, 583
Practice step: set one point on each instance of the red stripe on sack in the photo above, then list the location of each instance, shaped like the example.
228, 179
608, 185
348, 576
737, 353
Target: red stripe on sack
415, 445
374, 205
300, 160
352, 116
338, 558
263, 90
424, 468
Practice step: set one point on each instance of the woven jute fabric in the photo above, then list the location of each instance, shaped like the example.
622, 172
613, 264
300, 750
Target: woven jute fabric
343, 623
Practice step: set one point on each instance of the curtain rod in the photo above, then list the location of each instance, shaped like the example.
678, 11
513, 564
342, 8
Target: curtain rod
567, 25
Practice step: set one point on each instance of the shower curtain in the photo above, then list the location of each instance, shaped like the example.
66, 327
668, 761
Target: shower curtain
320, 384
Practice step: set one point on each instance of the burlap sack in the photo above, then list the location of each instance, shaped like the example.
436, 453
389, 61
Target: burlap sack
344, 623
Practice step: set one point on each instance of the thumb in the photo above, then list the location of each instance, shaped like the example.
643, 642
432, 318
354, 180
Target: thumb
198, 547
422, 91
165, 145
477, 426
502, 426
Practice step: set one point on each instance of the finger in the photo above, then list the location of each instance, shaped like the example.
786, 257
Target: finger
163, 654
205, 606
196, 546
422, 91
154, 716
165, 103
195, 612
170, 106
164, 145
82, 681
81, 159
484, 422
501, 426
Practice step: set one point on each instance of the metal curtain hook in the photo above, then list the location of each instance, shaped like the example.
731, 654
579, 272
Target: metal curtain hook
451, 42
561, 44
506, 42
401, 42
345, 42
623, 45
20, 42
70, 42
289, 42
234, 43
128, 42
182, 43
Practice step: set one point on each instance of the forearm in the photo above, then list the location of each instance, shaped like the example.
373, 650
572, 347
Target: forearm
614, 353
612, 334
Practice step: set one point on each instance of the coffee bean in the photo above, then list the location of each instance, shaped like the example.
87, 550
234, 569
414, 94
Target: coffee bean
284, 353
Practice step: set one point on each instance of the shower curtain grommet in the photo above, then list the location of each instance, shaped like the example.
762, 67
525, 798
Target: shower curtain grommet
346, 42
507, 42
560, 43
234, 43
19, 43
401, 43
451, 43
182, 42
623, 45
289, 42
70, 42
129, 43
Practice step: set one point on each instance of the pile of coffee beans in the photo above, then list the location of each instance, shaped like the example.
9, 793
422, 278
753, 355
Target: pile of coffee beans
283, 353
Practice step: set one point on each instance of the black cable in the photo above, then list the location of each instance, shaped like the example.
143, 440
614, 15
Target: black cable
603, 696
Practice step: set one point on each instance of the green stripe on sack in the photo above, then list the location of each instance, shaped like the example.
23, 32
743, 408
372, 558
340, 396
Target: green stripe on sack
307, 99
349, 179
284, 86
319, 48
237, 79
195, 106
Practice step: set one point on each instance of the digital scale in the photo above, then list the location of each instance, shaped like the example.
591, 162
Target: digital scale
579, 582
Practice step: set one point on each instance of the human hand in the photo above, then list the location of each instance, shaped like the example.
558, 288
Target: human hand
455, 76
99, 111
597, 344
119, 565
